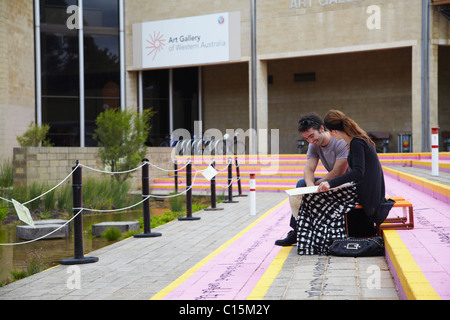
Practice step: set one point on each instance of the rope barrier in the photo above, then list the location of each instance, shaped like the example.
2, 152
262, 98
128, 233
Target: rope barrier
76, 167
113, 172
96, 170
80, 210
167, 170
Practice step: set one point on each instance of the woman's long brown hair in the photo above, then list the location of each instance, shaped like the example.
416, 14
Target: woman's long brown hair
351, 128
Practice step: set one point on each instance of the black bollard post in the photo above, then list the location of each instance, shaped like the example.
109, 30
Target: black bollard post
175, 168
189, 194
77, 190
146, 204
230, 183
239, 180
213, 192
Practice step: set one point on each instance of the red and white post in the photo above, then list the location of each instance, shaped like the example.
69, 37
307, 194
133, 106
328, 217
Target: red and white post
252, 194
435, 151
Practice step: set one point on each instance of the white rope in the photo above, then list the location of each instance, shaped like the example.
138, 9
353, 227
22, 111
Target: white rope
93, 169
226, 167
200, 170
113, 172
168, 170
29, 241
54, 186
226, 187
113, 210
5, 199
95, 210
178, 194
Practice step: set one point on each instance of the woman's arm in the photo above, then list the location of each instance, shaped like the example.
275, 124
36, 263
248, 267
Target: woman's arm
358, 167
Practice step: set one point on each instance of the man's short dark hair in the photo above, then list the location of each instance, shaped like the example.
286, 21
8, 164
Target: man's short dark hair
308, 121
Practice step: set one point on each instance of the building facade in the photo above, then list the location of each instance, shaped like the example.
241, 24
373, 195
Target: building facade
225, 65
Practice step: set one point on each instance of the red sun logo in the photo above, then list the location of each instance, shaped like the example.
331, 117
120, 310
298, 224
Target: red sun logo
156, 43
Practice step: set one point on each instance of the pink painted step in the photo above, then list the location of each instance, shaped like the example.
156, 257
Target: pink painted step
429, 241
234, 272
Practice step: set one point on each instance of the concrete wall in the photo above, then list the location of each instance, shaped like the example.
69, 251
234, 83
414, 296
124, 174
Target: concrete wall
17, 104
52, 165
373, 88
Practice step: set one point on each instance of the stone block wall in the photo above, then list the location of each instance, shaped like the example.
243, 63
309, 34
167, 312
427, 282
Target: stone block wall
52, 165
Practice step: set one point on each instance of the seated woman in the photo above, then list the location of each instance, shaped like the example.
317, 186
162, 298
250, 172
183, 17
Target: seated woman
321, 217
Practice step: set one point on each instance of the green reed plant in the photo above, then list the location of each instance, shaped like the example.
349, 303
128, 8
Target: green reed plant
35, 191
4, 210
6, 174
50, 201
111, 234
64, 198
176, 203
105, 194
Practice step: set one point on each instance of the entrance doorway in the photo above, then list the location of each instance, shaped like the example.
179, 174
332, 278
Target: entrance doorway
174, 95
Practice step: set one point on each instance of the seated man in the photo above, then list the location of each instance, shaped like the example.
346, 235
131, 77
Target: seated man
322, 146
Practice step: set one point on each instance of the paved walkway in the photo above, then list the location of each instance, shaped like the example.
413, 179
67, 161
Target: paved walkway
227, 254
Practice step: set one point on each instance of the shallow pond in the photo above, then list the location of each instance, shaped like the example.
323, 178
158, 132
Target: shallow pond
50, 252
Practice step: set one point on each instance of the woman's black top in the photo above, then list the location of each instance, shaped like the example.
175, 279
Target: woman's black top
367, 173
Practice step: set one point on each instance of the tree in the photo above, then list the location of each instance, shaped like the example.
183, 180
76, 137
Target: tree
121, 137
34, 136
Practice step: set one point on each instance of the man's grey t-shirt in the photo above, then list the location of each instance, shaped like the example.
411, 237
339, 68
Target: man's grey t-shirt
336, 149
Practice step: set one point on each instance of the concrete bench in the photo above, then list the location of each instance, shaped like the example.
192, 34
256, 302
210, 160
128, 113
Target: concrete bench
123, 226
42, 228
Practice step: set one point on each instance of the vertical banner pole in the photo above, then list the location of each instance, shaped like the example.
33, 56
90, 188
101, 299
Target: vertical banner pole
252, 195
435, 151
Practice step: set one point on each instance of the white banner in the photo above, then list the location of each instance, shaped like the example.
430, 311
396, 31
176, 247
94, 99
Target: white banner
187, 41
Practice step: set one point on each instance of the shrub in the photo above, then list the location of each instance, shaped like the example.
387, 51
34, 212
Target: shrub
35, 136
121, 137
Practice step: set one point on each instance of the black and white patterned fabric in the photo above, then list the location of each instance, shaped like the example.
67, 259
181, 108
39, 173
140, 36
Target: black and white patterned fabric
321, 219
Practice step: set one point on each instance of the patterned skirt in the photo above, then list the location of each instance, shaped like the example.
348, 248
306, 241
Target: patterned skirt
321, 219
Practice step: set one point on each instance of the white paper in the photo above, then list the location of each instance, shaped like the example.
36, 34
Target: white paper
23, 213
304, 190
313, 189
209, 172
295, 202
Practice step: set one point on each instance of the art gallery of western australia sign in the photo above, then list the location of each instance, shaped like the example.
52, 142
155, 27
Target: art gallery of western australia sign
212, 38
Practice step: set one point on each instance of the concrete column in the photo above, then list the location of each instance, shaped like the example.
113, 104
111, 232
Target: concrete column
262, 110
416, 99
433, 88
262, 107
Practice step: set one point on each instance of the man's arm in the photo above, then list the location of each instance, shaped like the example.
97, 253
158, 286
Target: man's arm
340, 166
310, 168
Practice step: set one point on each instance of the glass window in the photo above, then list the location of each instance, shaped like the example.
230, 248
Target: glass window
59, 73
101, 13
156, 96
55, 11
101, 64
59, 64
101, 79
60, 67
62, 114
185, 98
